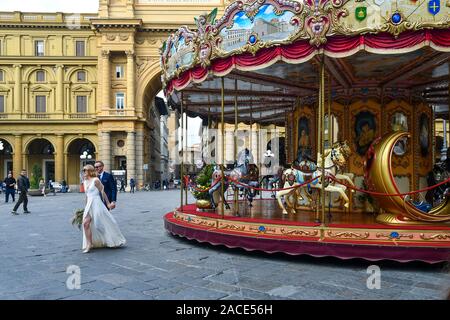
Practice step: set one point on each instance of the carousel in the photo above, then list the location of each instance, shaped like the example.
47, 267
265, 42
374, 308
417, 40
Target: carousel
321, 116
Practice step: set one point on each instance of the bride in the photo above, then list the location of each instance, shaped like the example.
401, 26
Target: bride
100, 229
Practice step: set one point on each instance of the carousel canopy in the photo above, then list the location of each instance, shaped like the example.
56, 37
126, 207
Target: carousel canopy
269, 53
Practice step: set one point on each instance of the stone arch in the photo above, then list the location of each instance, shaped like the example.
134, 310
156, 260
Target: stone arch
70, 141
91, 76
50, 74
13, 147
30, 142
149, 80
7, 74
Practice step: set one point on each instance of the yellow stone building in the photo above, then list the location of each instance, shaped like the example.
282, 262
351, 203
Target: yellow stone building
74, 84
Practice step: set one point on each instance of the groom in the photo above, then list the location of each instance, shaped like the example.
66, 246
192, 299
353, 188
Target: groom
108, 182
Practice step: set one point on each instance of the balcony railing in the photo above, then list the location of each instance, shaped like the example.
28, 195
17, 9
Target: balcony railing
38, 116
47, 116
52, 18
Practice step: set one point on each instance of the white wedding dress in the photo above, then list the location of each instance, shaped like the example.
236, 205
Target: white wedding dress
105, 231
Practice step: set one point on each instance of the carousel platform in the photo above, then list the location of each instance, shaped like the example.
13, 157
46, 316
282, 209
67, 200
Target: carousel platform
344, 235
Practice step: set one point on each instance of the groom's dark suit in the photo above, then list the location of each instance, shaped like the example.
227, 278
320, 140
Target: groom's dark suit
110, 186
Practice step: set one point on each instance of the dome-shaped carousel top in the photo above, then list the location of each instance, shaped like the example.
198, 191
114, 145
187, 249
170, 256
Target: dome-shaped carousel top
300, 29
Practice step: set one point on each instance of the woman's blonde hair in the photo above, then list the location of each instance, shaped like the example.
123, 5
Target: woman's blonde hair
90, 171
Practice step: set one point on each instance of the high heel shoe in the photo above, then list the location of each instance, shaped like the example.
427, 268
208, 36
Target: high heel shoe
87, 249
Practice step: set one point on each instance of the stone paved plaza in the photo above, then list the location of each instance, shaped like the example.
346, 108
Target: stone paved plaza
37, 249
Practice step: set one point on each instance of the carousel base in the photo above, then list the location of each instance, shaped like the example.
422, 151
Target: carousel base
345, 235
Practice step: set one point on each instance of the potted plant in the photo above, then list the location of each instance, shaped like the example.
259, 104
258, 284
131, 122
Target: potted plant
202, 183
36, 176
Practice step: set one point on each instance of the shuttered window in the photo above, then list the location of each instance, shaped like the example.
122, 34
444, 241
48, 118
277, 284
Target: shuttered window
41, 102
80, 49
81, 104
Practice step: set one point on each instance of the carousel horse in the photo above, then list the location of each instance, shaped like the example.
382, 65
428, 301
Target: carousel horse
243, 172
440, 172
335, 158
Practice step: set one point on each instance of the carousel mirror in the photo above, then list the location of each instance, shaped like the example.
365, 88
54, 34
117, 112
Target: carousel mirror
399, 122
334, 130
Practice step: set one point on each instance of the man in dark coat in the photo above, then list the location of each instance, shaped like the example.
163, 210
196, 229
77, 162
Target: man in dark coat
23, 184
10, 184
108, 182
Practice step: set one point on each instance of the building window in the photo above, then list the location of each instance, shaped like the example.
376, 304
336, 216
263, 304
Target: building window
41, 103
81, 76
2, 76
120, 100
39, 48
81, 104
2, 104
80, 48
119, 72
40, 76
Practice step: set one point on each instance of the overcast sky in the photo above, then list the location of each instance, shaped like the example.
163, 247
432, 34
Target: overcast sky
81, 6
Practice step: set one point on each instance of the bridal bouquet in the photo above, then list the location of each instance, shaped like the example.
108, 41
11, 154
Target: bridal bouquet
77, 218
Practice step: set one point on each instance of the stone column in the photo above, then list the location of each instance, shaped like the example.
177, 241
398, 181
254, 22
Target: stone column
106, 75
17, 158
59, 158
66, 168
17, 88
140, 158
105, 150
130, 80
59, 88
131, 156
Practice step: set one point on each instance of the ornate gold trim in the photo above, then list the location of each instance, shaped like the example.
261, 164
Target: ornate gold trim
348, 235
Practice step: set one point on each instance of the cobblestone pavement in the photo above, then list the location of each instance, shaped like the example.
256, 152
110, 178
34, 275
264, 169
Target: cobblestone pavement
37, 249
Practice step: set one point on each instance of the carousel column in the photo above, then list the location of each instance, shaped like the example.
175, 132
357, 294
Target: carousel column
131, 155
105, 150
59, 158
140, 158
236, 191
17, 159
444, 144
187, 155
182, 153
223, 146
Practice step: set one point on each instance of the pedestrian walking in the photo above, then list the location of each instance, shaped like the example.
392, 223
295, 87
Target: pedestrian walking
10, 187
42, 187
122, 185
23, 184
132, 185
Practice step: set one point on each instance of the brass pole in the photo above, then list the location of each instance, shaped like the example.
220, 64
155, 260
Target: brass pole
187, 156
330, 131
223, 145
236, 192
322, 107
182, 152
319, 134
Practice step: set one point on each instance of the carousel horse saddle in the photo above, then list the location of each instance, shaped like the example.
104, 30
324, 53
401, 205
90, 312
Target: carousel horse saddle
306, 166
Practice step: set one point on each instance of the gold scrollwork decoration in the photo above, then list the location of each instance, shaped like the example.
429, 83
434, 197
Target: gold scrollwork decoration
348, 235
439, 236
232, 227
297, 232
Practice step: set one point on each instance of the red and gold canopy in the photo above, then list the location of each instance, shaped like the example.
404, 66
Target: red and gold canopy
373, 47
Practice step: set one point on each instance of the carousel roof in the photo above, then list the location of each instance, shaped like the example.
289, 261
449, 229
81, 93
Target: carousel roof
269, 52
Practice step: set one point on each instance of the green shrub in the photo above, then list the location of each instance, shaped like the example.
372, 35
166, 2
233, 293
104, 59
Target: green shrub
36, 176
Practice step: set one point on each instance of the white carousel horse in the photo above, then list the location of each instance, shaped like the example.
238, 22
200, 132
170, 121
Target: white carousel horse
335, 158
